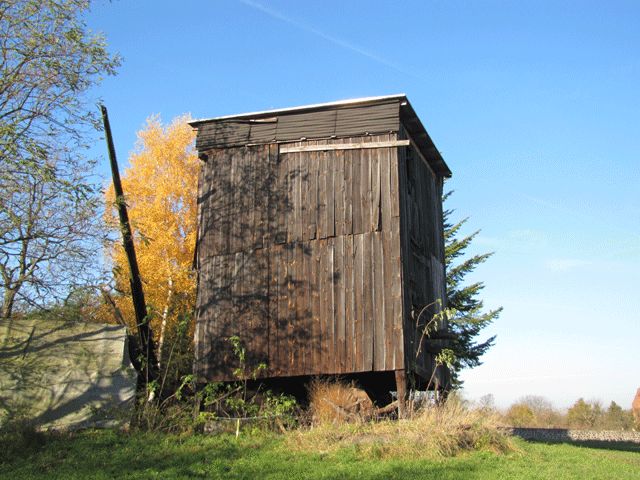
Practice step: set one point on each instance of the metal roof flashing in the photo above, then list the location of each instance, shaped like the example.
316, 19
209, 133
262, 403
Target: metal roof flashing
304, 108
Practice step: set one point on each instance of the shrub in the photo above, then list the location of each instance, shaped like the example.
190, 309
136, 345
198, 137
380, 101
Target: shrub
584, 414
336, 402
534, 411
520, 415
617, 419
436, 431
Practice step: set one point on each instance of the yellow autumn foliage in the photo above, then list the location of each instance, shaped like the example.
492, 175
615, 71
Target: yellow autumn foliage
160, 188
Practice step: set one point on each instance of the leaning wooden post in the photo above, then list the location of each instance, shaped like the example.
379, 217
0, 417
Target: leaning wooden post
149, 368
401, 389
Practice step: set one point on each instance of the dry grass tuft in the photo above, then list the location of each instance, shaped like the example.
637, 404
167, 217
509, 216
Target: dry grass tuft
434, 432
337, 403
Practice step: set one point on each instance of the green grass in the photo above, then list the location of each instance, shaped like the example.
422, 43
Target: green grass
108, 454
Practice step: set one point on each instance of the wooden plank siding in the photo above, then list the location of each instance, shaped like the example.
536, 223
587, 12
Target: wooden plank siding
299, 257
319, 241
422, 245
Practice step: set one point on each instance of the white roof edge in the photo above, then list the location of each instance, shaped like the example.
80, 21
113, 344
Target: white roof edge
350, 101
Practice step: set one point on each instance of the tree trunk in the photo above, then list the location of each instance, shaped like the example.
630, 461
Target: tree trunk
8, 302
163, 325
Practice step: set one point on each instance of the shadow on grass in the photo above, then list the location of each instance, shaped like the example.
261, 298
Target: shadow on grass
110, 454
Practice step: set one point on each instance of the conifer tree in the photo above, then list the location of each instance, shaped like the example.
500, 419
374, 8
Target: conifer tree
470, 317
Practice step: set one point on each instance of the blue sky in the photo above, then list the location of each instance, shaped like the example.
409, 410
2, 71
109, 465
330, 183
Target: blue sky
534, 105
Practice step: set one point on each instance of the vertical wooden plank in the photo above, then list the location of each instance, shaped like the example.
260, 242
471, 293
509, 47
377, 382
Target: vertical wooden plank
331, 306
291, 308
206, 277
323, 354
349, 319
240, 219
212, 306
365, 188
292, 334
212, 347
307, 307
331, 193
312, 162
398, 302
300, 206
220, 201
385, 188
255, 276
348, 192
244, 206
240, 324
328, 306
289, 161
304, 196
293, 197
322, 195
315, 306
390, 321
229, 324
368, 314
259, 176
358, 247
338, 187
269, 186
248, 193
283, 311
401, 255
234, 210
229, 205
206, 319
246, 305
302, 333
397, 162
282, 192
205, 232
339, 303
271, 253
261, 314
379, 351
401, 389
211, 215
376, 219
324, 302
356, 201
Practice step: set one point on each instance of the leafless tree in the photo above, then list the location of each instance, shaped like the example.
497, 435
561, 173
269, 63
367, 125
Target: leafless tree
49, 239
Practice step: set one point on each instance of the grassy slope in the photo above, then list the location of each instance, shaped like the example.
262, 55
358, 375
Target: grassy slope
110, 455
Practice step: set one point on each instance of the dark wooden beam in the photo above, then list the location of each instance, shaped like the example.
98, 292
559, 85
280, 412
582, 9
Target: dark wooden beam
401, 388
149, 367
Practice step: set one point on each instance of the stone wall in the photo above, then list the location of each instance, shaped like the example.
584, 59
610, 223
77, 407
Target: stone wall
565, 435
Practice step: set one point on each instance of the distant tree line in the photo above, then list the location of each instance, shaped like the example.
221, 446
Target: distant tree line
538, 412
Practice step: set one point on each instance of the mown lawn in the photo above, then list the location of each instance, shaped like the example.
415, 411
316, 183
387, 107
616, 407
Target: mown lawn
107, 454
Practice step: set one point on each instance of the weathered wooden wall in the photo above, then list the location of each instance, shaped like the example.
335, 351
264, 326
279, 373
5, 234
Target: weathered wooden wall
424, 289
299, 255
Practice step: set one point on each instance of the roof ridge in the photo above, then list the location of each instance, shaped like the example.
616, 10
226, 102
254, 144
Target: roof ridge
337, 103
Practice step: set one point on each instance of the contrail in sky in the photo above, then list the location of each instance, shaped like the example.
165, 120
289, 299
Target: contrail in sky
330, 38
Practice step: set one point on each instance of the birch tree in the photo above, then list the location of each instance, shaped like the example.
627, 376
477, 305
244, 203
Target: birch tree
160, 188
